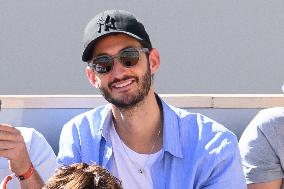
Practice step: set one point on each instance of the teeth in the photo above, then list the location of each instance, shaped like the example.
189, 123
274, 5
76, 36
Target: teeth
122, 84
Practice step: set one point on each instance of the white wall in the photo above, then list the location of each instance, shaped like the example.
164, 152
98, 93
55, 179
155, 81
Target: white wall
224, 46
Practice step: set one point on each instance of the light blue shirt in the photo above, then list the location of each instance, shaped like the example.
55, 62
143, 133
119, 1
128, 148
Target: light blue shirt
197, 151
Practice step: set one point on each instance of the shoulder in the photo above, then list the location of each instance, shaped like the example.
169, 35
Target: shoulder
84, 127
201, 124
210, 148
193, 120
91, 117
268, 124
263, 140
271, 118
98, 112
203, 132
265, 129
214, 137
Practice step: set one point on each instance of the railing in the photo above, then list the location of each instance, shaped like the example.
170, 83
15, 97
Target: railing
178, 100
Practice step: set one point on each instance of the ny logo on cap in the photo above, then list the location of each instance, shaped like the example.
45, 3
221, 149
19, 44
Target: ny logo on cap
108, 23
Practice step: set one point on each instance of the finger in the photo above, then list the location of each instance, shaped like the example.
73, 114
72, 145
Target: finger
10, 134
10, 154
5, 124
7, 145
8, 128
7, 153
19, 160
15, 151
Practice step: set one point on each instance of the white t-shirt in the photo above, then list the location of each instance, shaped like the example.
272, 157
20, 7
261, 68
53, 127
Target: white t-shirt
127, 163
41, 155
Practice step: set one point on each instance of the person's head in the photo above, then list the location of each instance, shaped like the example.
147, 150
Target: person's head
120, 57
82, 176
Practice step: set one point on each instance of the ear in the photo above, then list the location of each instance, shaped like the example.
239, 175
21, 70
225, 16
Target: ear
91, 76
154, 60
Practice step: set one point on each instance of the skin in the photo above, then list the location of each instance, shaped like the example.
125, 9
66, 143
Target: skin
13, 148
276, 184
135, 131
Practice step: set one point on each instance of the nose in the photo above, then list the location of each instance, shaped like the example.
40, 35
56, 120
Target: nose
118, 69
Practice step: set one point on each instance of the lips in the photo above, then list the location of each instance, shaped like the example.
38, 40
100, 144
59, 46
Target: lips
123, 84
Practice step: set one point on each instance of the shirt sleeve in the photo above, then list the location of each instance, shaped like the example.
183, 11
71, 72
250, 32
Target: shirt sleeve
69, 145
259, 151
227, 170
40, 152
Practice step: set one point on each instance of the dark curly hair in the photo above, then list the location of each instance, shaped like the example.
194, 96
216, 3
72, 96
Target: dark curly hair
82, 176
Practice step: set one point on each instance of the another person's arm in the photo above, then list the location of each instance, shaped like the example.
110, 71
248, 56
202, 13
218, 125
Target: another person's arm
21, 154
261, 145
276, 184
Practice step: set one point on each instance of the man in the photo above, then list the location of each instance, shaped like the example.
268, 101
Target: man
262, 150
138, 137
25, 158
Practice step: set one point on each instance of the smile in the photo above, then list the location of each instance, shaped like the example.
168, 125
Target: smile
123, 83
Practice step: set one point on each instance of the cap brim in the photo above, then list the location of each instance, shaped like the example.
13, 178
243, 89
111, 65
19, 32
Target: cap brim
88, 52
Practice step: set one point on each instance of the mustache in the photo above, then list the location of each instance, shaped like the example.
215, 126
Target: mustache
123, 79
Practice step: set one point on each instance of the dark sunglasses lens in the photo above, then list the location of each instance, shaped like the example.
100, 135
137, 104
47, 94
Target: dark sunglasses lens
102, 64
129, 57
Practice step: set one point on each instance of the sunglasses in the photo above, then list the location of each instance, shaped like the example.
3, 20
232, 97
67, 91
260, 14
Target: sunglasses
128, 57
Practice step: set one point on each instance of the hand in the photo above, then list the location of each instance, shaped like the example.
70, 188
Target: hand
12, 147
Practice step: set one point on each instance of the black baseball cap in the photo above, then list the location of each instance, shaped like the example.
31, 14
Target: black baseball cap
109, 22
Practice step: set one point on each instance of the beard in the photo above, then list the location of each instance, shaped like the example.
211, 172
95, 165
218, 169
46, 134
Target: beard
130, 101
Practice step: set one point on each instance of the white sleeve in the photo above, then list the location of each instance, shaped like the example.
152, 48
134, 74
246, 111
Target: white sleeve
40, 152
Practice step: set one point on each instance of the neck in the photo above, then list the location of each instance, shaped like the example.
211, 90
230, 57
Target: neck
138, 128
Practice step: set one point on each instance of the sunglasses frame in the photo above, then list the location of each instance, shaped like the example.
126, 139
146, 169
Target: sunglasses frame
92, 65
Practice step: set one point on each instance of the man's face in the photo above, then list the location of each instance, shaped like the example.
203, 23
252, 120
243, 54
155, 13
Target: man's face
123, 87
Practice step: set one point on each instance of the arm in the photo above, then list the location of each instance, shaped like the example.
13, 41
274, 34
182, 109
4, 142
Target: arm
14, 149
260, 147
226, 162
276, 184
23, 146
33, 182
69, 145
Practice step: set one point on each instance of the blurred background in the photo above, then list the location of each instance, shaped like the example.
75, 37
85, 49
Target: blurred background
224, 46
